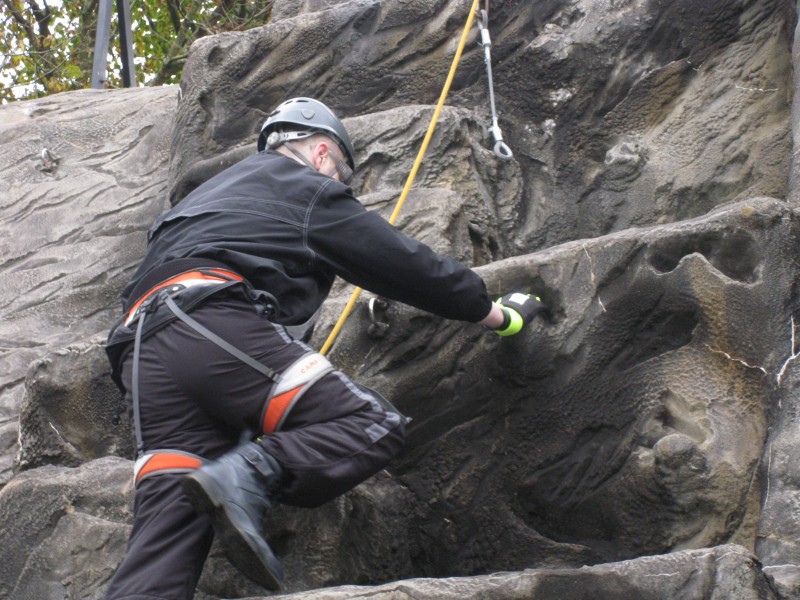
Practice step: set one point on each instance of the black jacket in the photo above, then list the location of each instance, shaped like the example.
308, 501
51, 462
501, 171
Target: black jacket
289, 231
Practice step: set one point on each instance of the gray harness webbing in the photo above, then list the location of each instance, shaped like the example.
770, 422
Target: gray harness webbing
229, 348
137, 422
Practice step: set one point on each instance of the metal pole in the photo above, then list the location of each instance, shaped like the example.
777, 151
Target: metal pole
101, 43
126, 43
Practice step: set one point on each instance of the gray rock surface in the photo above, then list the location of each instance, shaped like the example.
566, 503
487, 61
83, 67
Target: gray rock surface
620, 114
723, 572
72, 389
64, 530
642, 405
83, 175
647, 426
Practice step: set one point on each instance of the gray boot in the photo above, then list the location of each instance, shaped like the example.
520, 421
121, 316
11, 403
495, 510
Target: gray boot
235, 490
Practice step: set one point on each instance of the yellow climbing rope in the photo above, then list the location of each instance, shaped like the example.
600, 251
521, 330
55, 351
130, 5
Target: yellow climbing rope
412, 175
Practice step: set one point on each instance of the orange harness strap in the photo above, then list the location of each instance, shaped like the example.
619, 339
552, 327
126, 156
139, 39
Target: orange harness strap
292, 384
164, 461
206, 276
277, 408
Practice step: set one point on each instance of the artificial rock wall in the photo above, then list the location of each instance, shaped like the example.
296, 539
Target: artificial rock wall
646, 428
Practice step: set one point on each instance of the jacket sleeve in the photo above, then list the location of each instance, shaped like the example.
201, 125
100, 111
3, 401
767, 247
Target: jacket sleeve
364, 249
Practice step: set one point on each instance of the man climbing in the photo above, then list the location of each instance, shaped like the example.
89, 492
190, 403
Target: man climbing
232, 411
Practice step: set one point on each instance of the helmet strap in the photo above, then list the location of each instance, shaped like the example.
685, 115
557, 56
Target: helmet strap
278, 138
344, 171
300, 155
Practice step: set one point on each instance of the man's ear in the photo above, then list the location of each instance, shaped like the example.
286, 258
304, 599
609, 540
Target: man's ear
321, 150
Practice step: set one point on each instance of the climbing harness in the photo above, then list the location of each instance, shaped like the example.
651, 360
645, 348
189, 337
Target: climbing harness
501, 150
413, 174
198, 277
286, 387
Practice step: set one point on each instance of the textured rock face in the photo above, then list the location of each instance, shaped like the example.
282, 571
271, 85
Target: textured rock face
60, 525
724, 572
653, 412
630, 423
82, 178
72, 412
620, 114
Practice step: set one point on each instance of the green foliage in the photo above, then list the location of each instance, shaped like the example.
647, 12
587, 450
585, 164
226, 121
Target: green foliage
48, 48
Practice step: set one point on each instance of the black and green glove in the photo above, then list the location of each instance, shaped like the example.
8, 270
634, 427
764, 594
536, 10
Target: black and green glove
519, 310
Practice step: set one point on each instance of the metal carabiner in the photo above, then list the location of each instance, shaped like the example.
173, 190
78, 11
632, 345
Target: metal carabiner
501, 150
377, 328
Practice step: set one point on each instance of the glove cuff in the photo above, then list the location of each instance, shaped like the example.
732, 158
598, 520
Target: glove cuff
512, 324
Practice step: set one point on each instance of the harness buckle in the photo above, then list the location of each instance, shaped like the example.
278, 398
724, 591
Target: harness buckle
265, 303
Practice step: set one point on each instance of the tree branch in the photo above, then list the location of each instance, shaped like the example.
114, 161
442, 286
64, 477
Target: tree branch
20, 19
173, 8
42, 16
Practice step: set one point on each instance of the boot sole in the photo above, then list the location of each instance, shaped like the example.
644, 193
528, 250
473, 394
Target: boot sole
249, 553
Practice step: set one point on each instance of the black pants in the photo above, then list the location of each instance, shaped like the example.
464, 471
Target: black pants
197, 398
